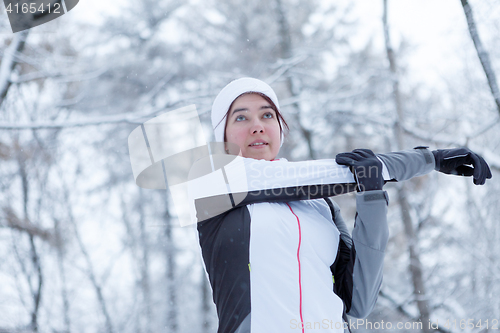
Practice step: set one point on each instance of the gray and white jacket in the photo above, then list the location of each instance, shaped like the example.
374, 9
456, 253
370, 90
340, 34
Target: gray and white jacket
284, 261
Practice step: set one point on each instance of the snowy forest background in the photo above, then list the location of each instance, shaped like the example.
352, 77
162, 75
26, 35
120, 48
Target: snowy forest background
83, 249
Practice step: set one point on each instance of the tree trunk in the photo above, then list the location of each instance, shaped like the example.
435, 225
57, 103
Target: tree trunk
62, 272
415, 266
482, 53
9, 62
286, 52
172, 316
145, 279
35, 259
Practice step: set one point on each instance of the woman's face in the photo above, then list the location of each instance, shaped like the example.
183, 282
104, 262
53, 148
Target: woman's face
252, 125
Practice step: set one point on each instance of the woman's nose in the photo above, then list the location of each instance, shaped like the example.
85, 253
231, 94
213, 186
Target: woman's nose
257, 127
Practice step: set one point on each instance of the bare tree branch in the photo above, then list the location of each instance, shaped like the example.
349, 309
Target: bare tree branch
63, 78
491, 158
128, 118
14, 222
400, 308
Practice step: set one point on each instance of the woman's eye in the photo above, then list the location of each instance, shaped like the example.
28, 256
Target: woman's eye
268, 115
240, 118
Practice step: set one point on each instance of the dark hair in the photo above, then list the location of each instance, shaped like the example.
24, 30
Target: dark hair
281, 120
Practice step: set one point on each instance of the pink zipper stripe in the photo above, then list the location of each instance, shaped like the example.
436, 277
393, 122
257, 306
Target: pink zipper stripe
298, 259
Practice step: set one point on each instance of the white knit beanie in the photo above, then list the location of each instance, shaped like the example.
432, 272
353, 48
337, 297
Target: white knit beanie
232, 91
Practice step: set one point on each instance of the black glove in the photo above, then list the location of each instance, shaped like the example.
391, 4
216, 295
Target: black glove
455, 162
365, 166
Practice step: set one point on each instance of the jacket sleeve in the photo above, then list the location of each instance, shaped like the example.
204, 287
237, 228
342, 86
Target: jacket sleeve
245, 180
358, 268
406, 164
370, 236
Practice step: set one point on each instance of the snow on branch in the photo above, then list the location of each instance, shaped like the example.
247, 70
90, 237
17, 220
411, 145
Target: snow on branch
60, 77
129, 118
120, 118
283, 66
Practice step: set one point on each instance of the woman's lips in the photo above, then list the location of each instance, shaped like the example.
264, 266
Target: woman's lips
258, 146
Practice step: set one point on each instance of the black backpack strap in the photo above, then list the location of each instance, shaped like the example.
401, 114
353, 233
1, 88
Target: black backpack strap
342, 268
339, 222
344, 316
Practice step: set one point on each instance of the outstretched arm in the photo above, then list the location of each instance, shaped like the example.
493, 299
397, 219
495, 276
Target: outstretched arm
406, 164
245, 180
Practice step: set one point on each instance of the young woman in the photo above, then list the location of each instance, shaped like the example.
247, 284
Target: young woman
279, 263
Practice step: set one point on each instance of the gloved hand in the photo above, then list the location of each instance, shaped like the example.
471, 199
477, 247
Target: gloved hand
366, 168
455, 162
